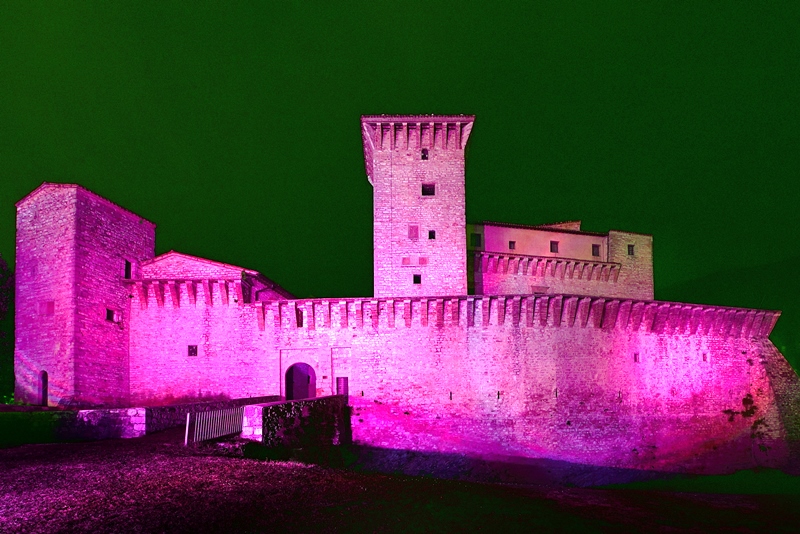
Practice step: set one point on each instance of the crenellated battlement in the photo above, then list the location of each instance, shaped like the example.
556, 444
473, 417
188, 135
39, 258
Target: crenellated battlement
537, 311
186, 292
407, 133
542, 266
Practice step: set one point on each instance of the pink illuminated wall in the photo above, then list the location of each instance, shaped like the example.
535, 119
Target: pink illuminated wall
514, 259
72, 305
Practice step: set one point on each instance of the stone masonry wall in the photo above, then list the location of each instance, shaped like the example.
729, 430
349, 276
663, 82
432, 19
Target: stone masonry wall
45, 293
106, 237
530, 267
617, 383
404, 216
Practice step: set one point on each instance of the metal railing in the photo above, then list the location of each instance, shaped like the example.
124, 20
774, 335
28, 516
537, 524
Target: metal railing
202, 426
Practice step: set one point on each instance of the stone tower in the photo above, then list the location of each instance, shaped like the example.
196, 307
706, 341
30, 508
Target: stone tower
74, 249
415, 164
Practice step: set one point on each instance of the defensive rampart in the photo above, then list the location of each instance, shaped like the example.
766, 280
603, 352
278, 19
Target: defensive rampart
623, 383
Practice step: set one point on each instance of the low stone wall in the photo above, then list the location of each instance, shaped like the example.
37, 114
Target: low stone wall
319, 422
159, 418
43, 426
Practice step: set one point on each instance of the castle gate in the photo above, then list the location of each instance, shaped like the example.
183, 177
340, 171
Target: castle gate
301, 382
315, 367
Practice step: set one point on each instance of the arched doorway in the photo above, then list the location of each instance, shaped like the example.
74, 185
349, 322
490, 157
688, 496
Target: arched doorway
43, 388
301, 382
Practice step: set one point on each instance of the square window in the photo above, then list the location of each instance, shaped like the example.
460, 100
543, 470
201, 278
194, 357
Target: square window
417, 278
413, 232
428, 190
192, 350
406, 261
109, 315
630, 250
423, 260
595, 250
431, 234
128, 270
475, 240
512, 245
553, 246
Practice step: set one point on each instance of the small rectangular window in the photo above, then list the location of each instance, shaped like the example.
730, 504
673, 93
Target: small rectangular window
553, 246
475, 240
512, 245
630, 250
192, 350
636, 357
127, 270
428, 190
431, 234
424, 154
595, 250
413, 232
417, 278
109, 315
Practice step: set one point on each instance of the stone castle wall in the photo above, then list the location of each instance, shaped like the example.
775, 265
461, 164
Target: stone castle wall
601, 381
530, 267
45, 293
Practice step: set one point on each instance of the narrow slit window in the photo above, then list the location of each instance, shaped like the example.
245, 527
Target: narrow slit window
553, 246
595, 250
630, 250
428, 190
417, 278
512, 245
424, 154
128, 268
299, 316
636, 357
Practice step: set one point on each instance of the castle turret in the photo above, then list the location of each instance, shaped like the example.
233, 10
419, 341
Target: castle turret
74, 250
416, 167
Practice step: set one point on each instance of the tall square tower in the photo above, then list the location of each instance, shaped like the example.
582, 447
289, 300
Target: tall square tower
74, 251
415, 164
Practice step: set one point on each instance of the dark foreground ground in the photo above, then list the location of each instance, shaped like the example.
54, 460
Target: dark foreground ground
154, 484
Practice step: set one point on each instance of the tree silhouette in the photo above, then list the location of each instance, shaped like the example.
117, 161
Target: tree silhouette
6, 330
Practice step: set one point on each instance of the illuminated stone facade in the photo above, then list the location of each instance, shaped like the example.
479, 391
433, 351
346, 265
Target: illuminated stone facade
557, 351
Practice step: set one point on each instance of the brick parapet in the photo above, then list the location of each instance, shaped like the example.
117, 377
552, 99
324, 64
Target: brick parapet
525, 311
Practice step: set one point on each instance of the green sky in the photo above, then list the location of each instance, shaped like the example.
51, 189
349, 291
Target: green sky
236, 128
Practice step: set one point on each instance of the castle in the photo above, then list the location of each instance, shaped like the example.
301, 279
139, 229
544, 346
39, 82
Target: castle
492, 340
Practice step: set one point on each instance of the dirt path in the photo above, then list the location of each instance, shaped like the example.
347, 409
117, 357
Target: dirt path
154, 484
